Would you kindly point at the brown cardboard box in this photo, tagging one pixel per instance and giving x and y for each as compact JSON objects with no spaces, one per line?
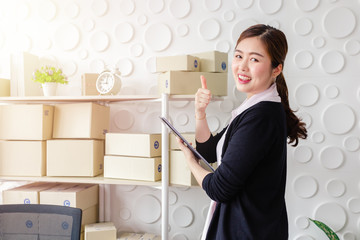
{"x":23,"y":158}
{"x":79,"y":195}
{"x":133,"y":144}
{"x":103,"y":231}
{"x":187,"y":83}
{"x":213,"y":61}
{"x":81,"y":120}
{"x":133,"y":168}
{"x":88,"y":84}
{"x":26,"y":122}
{"x":180,"y":173}
{"x":26,"y":194}
{"x":173,"y":144}
{"x":4,"y":87}
{"x":177,"y":63}
{"x":71,"y":157}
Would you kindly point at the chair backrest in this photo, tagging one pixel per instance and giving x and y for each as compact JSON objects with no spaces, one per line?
{"x":39,"y":222}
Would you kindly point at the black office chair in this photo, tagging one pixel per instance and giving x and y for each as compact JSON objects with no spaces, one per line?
{"x":39,"y":222}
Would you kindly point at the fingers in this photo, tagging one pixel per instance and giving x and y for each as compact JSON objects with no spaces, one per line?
{"x":203,"y":82}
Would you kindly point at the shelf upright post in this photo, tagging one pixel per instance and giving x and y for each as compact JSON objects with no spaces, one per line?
{"x":165,"y":169}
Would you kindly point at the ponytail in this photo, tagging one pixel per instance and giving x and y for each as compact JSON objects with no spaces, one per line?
{"x":295,"y":127}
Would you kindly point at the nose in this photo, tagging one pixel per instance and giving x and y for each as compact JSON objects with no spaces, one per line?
{"x":243,"y":66}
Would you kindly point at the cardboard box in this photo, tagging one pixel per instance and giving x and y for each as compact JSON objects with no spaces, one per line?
{"x":26,"y":122}
{"x":4,"y":87}
{"x":177,"y":63}
{"x":89,"y":216}
{"x":213,"y":61}
{"x":133,"y":144}
{"x":187,"y":83}
{"x":103,"y":231}
{"x":132,"y":168}
{"x":79,"y":195}
{"x":138,"y":236}
{"x":26,"y":194}
{"x":23,"y":158}
{"x":173,"y":144}
{"x":71,"y":157}
{"x":88,"y":84}
{"x":81,"y":120}
{"x":180,"y":173}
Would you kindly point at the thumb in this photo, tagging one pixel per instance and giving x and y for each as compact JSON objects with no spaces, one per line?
{"x":203,"y":82}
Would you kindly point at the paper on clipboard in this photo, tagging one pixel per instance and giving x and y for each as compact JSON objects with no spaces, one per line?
{"x":186,"y":143}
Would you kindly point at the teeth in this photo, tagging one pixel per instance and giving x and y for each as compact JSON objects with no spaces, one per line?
{"x":244,"y":78}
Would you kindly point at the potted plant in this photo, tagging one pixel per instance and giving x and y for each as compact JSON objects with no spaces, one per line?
{"x":327,"y":230}
{"x":49,"y":77}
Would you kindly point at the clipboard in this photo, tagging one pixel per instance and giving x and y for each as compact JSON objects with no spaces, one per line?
{"x":186,"y":143}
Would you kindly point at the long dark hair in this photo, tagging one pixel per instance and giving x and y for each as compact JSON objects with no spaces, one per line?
{"x":275,"y":42}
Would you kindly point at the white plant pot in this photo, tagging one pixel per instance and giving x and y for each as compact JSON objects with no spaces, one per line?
{"x":49,"y":89}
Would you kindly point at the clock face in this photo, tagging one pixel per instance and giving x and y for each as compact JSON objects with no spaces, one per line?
{"x":105,"y":82}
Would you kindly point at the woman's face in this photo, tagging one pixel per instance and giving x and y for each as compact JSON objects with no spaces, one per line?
{"x":251,"y":67}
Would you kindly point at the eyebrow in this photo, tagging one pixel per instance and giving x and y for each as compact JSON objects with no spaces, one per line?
{"x":250,"y":53}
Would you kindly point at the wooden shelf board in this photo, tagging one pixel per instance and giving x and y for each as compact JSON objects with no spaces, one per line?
{"x":96,"y":180}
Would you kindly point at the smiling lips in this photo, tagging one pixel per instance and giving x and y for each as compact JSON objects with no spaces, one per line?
{"x":243,"y":79}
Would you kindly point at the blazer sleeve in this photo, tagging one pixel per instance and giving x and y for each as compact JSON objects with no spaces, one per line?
{"x":208,"y":149}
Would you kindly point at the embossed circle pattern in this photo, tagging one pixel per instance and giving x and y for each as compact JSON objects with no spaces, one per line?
{"x":303,"y":154}
{"x":338,"y":113}
{"x":303,"y":26}
{"x":332,"y":62}
{"x":124,"y":32}
{"x":352,"y":47}
{"x":270,"y":7}
{"x":305,"y":186}
{"x":99,"y":41}
{"x":331,"y":157}
{"x":339,"y":22}
{"x":307,"y":5}
{"x":99,"y":7}
{"x":183,"y":216}
{"x":244,"y":4}
{"x":212,"y":5}
{"x":148,"y":209}
{"x":302,"y":222}
{"x":354,"y":205}
{"x":123,"y":119}
{"x":156,"y":6}
{"x":158,"y":37}
{"x":303,"y":59}
{"x":62,"y":38}
{"x":333,"y":214}
{"x":209,"y":29}
{"x":352,"y":143}
{"x":47,"y":10}
{"x":331,"y":92}
{"x":127,"y":7}
{"x":306,"y":94}
{"x":179,"y":8}
{"x":335,"y":188}
{"x":317,"y":137}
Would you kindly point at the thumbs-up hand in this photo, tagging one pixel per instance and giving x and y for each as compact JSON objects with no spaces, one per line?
{"x":202,"y":99}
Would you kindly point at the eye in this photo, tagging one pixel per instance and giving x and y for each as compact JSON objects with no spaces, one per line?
{"x":238,"y":56}
{"x":254,"y":60}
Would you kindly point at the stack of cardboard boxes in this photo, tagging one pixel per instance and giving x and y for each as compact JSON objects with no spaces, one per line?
{"x":133,"y":156}
{"x":180,"y":75}
{"x":77,"y":147}
{"x":84,"y":196}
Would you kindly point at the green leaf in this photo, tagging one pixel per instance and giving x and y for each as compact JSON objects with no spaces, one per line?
{"x":327,"y":230}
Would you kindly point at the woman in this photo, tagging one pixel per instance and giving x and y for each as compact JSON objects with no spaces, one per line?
{"x":248,"y":187}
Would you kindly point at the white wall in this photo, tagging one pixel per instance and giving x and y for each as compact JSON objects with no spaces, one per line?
{"x":322,"y":71}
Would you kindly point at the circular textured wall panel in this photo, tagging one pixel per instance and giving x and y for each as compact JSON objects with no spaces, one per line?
{"x":183,"y":216}
{"x":339,"y":22}
{"x":99,"y":41}
{"x":229,"y":16}
{"x":303,"y":59}
{"x":212,"y":5}
{"x":156,"y":6}
{"x":148,"y":209}
{"x":62,"y":38}
{"x":240,"y":26}
{"x":303,"y":154}
{"x":336,"y":188}
{"x":317,"y":137}
{"x":179,"y":8}
{"x":124,"y":32}
{"x":99,"y":7}
{"x":124,"y":119}
{"x":318,"y":42}
{"x":338,"y":113}
{"x":332,"y":214}
{"x":209,"y":29}
{"x":352,"y":143}
{"x":47,"y":10}
{"x":331,"y":92}
{"x":352,"y":47}
{"x":303,"y":26}
{"x":270,"y":7}
{"x":182,"y":30}
{"x":354,"y":205}
{"x":244,"y":4}
{"x":158,"y":37}
{"x":127,"y":7}
{"x":331,"y":157}
{"x":307,"y":5}
{"x":305,"y":186}
{"x":125,"y":66}
{"x":307,"y":94}
{"x":72,"y":10}
{"x":332,"y":62}
{"x":302,"y":222}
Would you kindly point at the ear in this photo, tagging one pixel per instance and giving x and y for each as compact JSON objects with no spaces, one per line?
{"x":276,"y":71}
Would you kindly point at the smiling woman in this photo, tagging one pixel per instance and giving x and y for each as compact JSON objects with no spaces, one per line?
{"x":248,"y":187}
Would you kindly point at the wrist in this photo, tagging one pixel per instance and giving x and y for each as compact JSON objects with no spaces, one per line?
{"x":200,"y":116}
